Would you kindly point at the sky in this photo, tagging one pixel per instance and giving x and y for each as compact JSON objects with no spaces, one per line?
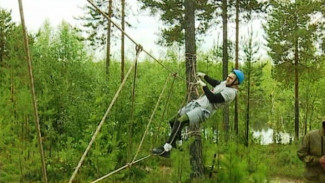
{"x":145,"y":30}
{"x":37,"y":11}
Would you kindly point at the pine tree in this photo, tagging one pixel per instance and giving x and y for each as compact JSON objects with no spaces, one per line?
{"x":22,"y":163}
{"x":290,"y":39}
{"x":179,"y":17}
{"x":6,"y":27}
{"x":244,"y":12}
{"x":98,"y":29}
{"x":172,"y":14}
{"x":253,"y":82}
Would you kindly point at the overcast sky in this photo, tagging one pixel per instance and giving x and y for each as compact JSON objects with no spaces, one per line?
{"x":145,"y":28}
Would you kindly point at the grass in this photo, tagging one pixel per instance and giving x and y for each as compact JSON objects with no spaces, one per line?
{"x":284,"y":162}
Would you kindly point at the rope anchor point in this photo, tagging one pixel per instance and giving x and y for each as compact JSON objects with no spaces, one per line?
{"x":138,"y":48}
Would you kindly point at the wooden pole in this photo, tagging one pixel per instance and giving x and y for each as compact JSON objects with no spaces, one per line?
{"x":30,"y":72}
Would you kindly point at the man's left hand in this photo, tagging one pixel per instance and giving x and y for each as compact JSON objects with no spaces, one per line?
{"x":200,"y":82}
{"x":200,"y":75}
{"x":322,"y":162}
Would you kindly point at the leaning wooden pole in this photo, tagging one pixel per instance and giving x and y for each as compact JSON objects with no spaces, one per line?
{"x":104,"y":117}
{"x":30,"y":72}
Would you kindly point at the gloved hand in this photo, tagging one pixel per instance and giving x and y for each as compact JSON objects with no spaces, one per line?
{"x":322,"y":162}
{"x":200,"y":82}
{"x":200,"y":74}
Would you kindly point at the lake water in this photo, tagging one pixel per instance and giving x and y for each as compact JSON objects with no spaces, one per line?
{"x":267,"y":137}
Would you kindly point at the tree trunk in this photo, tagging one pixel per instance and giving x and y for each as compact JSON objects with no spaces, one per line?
{"x":190,"y":46}
{"x":225,"y":61}
{"x":307,"y":107}
{"x":108,"y":41}
{"x":2,"y":48}
{"x":190,"y":56}
{"x":296,"y":92}
{"x":122,"y":39}
{"x":248,"y":103}
{"x":312,"y":107}
{"x":236,"y":64}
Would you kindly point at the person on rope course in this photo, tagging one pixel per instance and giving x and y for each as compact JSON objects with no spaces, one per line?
{"x":199,"y":110}
{"x":312,"y":154}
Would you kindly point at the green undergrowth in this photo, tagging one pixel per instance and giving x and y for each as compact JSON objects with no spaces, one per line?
{"x":234,"y":162}
{"x":283,"y":161}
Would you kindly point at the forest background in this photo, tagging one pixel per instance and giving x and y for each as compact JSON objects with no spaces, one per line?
{"x":283,"y":93}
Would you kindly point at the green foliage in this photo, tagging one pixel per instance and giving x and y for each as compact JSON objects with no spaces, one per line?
{"x":172,"y":14}
{"x":7,"y":27}
{"x":73,"y":94}
{"x":284,"y":159}
{"x":289,"y":30}
{"x":180,"y":162}
{"x":293,"y":40}
{"x":236,"y":163}
{"x":95,"y":25}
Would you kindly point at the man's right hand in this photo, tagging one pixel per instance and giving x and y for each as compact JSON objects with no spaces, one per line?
{"x":200,"y":74}
{"x":322,"y":162}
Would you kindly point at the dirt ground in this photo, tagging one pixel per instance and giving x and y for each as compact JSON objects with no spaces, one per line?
{"x":285,"y":180}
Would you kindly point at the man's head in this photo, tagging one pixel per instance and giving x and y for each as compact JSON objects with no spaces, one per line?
{"x":323,"y":122}
{"x":236,"y":77}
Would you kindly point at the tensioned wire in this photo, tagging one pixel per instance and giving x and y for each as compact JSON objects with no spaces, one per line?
{"x":131,"y":39}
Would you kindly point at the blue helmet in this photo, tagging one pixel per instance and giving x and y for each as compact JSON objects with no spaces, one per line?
{"x":240,"y":75}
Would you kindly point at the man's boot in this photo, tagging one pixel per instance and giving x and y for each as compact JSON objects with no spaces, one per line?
{"x":171,"y":124}
{"x":164,"y":151}
{"x":160,"y":151}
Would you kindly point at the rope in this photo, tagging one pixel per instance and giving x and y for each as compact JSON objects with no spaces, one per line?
{"x":123,"y":167}
{"x":151,"y":117}
{"x":134,"y":80}
{"x":197,"y":133}
{"x":139,"y":48}
{"x":169,"y":95}
{"x":123,"y":32}
{"x":31,"y":78}
{"x":184,"y":101}
{"x":142,"y":140}
{"x":130,"y":126}
{"x":104,"y":117}
{"x":166,"y":104}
